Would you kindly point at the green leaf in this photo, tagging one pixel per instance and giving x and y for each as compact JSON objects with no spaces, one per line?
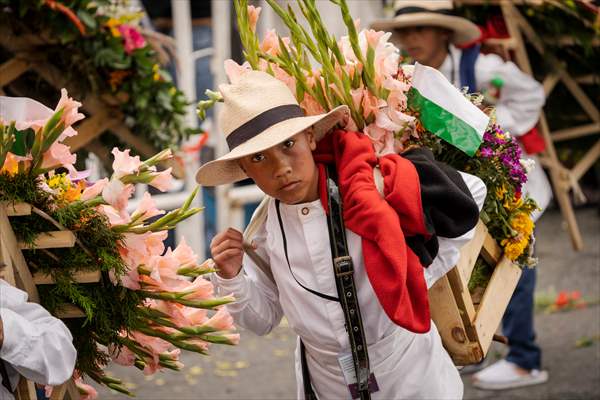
{"x":87,"y":18}
{"x":23,"y":142}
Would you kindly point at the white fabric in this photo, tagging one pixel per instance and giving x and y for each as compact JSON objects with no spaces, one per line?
{"x":406,"y":365}
{"x":432,"y":85}
{"x":36,"y":345}
{"x":517,"y":111}
{"x":449,"y":248}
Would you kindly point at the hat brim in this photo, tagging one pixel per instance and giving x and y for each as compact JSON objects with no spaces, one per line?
{"x":464,"y":31}
{"x":226,"y":169}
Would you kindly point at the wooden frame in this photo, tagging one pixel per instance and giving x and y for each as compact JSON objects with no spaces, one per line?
{"x":104,"y":111}
{"x":14,"y":270}
{"x":467,"y":324}
{"x":564,"y":180}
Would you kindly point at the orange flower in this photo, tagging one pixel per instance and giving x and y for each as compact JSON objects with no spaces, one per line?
{"x":117,"y":77}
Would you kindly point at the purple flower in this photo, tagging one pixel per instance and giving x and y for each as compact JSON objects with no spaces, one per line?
{"x":486,"y":152}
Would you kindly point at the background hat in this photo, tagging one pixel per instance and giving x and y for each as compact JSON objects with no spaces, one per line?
{"x":439,"y":13}
{"x":260,"y":112}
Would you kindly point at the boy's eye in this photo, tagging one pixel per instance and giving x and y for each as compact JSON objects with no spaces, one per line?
{"x":258,"y":157}
{"x":289,"y":143}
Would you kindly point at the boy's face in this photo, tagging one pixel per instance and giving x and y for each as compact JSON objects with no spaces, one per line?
{"x":286,"y":171}
{"x":425,"y":44}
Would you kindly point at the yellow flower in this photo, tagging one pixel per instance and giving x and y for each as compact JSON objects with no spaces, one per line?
{"x":514,"y":247}
{"x":173,"y":91}
{"x":156,"y":70}
{"x":113,"y":25}
{"x":11,"y":165}
{"x":500,"y":192}
{"x":522,"y":223}
{"x":73,"y":193}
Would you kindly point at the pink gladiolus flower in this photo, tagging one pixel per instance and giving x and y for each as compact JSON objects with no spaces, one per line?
{"x":201,"y":289}
{"x":132,"y":38}
{"x":114,"y":216}
{"x":383,"y":140}
{"x":253,"y":14}
{"x":123,"y":356}
{"x":270,"y":43}
{"x":370,"y":104}
{"x":146,"y":209}
{"x":131,"y":280}
{"x":124,"y":164}
{"x":221,"y":321}
{"x":311,"y":106}
{"x":58,"y":155}
{"x":373,"y":37}
{"x":94,"y":190}
{"x":184,"y":254}
{"x":195,"y":316}
{"x":155,"y":242}
{"x":162,"y":180}
{"x":116,"y":193}
{"x":233,"y":338}
{"x":70,"y":114}
{"x":86,"y":391}
{"x":135,"y":250}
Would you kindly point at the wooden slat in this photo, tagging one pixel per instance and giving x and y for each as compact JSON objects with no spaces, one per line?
{"x":11,"y":70}
{"x":495,"y":299}
{"x":25,"y":390}
{"x":16,"y":209}
{"x":470,"y":251}
{"x":447,"y":319}
{"x":40,"y":278}
{"x":575,"y":132}
{"x":51,"y":240}
{"x":587,"y":161}
{"x":90,"y":129}
{"x":463,"y":299}
{"x":69,"y":311}
{"x":11,"y":246}
{"x":491,"y":252}
{"x":550,"y":82}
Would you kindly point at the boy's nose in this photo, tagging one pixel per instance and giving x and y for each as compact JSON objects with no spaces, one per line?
{"x":282,"y":167}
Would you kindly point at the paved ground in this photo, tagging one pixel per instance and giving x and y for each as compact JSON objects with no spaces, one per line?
{"x":262,"y":367}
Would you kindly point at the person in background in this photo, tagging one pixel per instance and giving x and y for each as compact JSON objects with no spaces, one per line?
{"x":33,"y":343}
{"x":430,"y":33}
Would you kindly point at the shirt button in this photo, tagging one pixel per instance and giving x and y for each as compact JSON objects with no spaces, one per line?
{"x":305,"y":210}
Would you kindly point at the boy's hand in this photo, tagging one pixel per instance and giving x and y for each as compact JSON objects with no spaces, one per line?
{"x":227,"y":252}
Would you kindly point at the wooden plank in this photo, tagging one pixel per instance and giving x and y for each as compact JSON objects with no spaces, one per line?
{"x":7,"y":271}
{"x":40,"y":278}
{"x":446,"y":316}
{"x":59,"y":392}
{"x":51,"y":240}
{"x":550,"y":82}
{"x":463,"y":300}
{"x":90,"y":129}
{"x":10,"y":245}
{"x":582,"y":98}
{"x":470,"y":251}
{"x":16,"y":209}
{"x":69,"y":311}
{"x":575,"y":132}
{"x":491,"y":251}
{"x":495,"y":300}
{"x":588,"y":160}
{"x":25,"y":390}
{"x":12,"y":69}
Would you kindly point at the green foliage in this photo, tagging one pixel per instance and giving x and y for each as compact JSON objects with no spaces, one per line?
{"x":97,"y":61}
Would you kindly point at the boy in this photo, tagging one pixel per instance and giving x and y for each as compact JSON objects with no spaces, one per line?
{"x":428,"y":31}
{"x":273,"y":143}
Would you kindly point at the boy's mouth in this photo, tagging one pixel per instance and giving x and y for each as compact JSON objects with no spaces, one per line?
{"x":289,"y":186}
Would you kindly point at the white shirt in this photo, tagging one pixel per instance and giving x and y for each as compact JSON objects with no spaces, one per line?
{"x":517,"y":110}
{"x":36,"y":345}
{"x":419,"y":367}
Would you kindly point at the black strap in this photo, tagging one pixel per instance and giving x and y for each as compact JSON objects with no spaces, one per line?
{"x":5,"y":380}
{"x":309,"y":393}
{"x":344,"y":276}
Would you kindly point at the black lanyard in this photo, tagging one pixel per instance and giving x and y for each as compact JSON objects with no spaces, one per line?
{"x":5,"y":379}
{"x":346,"y":288}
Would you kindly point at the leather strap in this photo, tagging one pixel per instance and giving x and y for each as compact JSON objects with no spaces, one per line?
{"x":344,"y":276}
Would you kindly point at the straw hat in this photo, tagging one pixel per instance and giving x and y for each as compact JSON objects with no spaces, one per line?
{"x":439,"y":13}
{"x":260,"y":112}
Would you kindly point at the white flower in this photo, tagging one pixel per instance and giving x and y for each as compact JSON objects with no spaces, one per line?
{"x":527,"y":164}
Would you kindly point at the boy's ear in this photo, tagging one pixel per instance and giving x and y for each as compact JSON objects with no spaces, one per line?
{"x":310,"y":136}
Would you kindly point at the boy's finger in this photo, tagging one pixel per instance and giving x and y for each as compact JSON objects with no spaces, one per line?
{"x":234,"y":234}
{"x":226,"y":244}
{"x":227,"y":255}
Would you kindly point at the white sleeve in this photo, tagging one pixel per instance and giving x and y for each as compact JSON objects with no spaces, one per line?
{"x":521,"y":96}
{"x":36,"y":344}
{"x":257,"y":306}
{"x":449,"y":248}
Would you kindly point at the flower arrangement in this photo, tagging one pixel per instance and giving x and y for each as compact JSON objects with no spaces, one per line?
{"x":149,"y":303}
{"x":102,"y":49}
{"x":361,"y":70}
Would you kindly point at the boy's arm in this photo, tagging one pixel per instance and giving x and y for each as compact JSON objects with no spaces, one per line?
{"x":257,"y":306}
{"x":35,"y":343}
{"x":521,"y":96}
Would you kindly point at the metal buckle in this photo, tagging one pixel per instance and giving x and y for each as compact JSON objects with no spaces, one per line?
{"x":343,"y":266}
